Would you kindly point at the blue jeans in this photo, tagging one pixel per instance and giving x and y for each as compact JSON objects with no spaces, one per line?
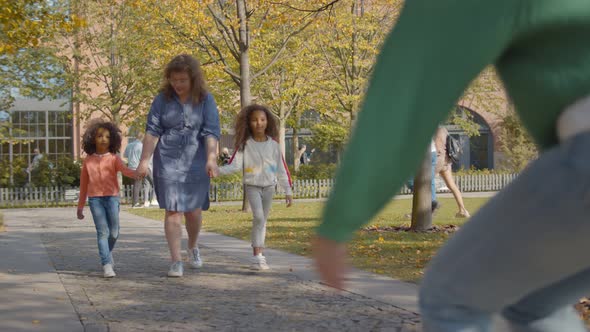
{"x":410,"y":182}
{"x":523,"y":255}
{"x":105,"y":212}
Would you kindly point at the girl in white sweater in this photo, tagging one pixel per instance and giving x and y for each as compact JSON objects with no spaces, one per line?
{"x":259,"y":158}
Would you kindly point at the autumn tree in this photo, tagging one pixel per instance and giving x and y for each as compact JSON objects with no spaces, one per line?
{"x":109,"y":63}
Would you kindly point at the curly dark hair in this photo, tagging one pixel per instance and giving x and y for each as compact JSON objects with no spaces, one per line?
{"x":88,"y":139}
{"x":190,"y":65}
{"x":242,"y":125}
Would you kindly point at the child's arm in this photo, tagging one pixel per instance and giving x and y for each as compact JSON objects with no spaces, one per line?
{"x":120,"y":167}
{"x":284,"y":177}
{"x":235,"y":165}
{"x":83,"y":190}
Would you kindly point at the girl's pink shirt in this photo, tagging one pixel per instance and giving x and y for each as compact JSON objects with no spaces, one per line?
{"x":99,"y":176}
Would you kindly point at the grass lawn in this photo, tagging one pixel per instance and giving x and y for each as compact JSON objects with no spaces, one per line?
{"x":1,"y":222}
{"x":401,"y":255}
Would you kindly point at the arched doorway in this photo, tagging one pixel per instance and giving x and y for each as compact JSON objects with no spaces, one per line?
{"x":478,"y":151}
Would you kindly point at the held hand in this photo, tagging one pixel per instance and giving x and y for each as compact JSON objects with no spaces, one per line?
{"x":142,"y":169}
{"x":289,"y":200}
{"x":330,"y":260}
{"x":212,"y":169}
{"x":80,"y":214}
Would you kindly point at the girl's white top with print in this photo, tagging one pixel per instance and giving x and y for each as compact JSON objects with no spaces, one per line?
{"x":262,"y":163}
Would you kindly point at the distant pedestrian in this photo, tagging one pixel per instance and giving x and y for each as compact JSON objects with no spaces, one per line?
{"x":445,"y":170}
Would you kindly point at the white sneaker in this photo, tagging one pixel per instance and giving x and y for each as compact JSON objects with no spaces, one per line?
{"x":108,"y":271}
{"x":194,"y":258}
{"x":176,"y":269}
{"x":146,"y":204}
{"x":259,"y":263}
{"x":154,"y":202}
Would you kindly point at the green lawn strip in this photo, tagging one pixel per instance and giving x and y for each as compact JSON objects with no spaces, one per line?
{"x":1,"y":222}
{"x":401,"y":255}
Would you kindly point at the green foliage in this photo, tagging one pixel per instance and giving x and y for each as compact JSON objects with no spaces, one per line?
{"x":230,"y":178}
{"x":67,"y":172}
{"x":64,"y":172}
{"x":20,"y":177}
{"x":329,"y":134}
{"x":320,"y":172}
{"x":42,"y":175}
{"x":517,"y":145}
{"x":464,"y":120}
{"x":28,"y":23}
{"x":485,"y":171}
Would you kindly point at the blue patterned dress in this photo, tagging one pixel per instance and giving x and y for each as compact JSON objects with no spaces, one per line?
{"x":180,"y":178}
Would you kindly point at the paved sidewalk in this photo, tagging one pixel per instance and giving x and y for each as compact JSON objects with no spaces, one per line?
{"x":51,"y":281}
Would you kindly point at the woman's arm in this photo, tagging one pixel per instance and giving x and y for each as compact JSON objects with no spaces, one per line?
{"x":211,"y":131}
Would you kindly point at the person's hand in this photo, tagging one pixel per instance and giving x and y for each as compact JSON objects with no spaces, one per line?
{"x":142,"y":169}
{"x":80,"y":214}
{"x":330,"y":260}
{"x":212,"y":168}
{"x":289,"y":200}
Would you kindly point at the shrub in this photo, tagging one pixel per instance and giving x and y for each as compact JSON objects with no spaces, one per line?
{"x":67,"y":172}
{"x":320,"y":171}
{"x":485,"y":171}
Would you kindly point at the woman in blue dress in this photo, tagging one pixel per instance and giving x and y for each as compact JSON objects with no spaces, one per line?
{"x":182,"y":132}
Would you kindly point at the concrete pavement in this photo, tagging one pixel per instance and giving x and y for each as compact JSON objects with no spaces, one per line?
{"x":51,"y":281}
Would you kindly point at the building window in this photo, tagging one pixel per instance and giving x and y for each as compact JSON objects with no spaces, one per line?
{"x":50,"y":131}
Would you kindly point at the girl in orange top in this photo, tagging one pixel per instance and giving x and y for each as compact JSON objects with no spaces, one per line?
{"x":98,"y":182}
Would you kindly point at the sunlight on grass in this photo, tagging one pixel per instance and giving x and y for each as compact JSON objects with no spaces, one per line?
{"x":401,"y":255}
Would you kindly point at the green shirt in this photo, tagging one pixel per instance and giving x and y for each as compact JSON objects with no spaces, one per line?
{"x":541,"y":49}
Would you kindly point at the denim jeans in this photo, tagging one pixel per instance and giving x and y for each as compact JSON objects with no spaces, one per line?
{"x":260,"y":199}
{"x":410,"y":182}
{"x":523,"y":255}
{"x":105,"y":212}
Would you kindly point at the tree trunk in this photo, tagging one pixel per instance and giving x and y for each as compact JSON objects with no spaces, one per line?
{"x":422,"y":201}
{"x":282,"y":127}
{"x":245,"y":95}
{"x":295,"y":145}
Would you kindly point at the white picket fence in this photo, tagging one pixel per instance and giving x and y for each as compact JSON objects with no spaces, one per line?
{"x":54,"y":196}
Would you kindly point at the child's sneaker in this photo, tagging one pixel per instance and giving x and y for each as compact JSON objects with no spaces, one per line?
{"x":194,"y":258}
{"x":259,"y":263}
{"x":108,"y":271}
{"x":146,"y":204}
{"x":154,"y":202}
{"x":176,"y":269}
